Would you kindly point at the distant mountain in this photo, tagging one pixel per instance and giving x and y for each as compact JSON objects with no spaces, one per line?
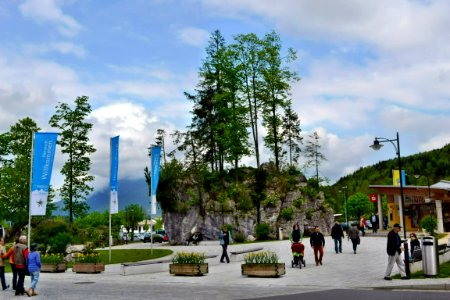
{"x":130,"y":192}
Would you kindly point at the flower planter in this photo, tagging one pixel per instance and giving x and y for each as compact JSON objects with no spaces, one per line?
{"x":263,"y":270}
{"x":188,"y":269}
{"x":53,"y":268}
{"x":88,"y":267}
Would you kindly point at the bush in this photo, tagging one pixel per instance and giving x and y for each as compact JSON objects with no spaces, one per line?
{"x":239,"y":237}
{"x":287,"y":213}
{"x":58,"y":244}
{"x":429,"y":223}
{"x":262,"y":231}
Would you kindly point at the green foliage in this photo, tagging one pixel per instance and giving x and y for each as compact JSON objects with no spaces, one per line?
{"x":47,"y":232}
{"x":287,"y":213}
{"x":133,"y":214}
{"x":429,"y":223}
{"x":189,"y":258}
{"x":299,"y":202}
{"x":359,"y":204}
{"x":309,"y":213}
{"x":239,"y":237}
{"x":74,"y":142}
{"x":272,"y":199}
{"x":52,"y":258}
{"x":262,"y":231}
{"x":58,"y":243}
{"x":15,"y":164}
{"x":264,"y":257}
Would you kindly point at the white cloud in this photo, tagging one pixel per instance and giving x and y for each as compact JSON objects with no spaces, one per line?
{"x":43,"y":11}
{"x":193,"y":36}
{"x":60,"y":47}
{"x":389,"y":25}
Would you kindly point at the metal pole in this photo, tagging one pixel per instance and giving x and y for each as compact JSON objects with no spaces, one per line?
{"x":405,"y":244}
{"x":29,"y":201}
{"x":109,"y":235}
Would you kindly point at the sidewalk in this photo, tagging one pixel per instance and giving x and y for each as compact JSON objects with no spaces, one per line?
{"x":339,"y":271}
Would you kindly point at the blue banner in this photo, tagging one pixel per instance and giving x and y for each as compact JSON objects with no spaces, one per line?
{"x":44,"y":146}
{"x":156,"y":158}
{"x":113,"y":180}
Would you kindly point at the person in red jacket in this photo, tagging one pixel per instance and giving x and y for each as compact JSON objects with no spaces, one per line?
{"x":20,"y":258}
{"x":10,"y":254}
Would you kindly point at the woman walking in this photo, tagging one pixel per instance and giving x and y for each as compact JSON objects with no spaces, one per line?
{"x":34,"y":266}
{"x":225,"y":239}
{"x":353,"y":235}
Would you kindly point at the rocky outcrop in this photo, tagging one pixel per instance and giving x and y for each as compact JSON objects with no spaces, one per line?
{"x":307,"y":211}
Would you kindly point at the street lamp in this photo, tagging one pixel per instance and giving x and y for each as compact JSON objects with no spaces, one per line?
{"x":344,"y":190}
{"x":377,"y":144}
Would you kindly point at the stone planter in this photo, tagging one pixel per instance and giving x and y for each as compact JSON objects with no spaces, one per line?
{"x":263,"y":270}
{"x":188,"y":269}
{"x":88,"y":267}
{"x":53,"y":268}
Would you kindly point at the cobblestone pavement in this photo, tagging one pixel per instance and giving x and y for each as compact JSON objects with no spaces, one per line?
{"x":364,"y":270}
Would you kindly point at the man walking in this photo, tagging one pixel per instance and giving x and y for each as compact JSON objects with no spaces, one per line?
{"x":337,"y":234}
{"x":317,"y":243}
{"x":394,"y":249}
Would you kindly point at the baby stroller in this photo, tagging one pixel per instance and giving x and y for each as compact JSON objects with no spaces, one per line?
{"x":298,"y":253}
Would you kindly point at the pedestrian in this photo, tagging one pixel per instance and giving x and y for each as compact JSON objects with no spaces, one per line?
{"x":374,"y":220}
{"x":414,"y":245}
{"x":337,"y":234}
{"x":317,"y":241}
{"x":103,"y":239}
{"x":353,"y":235}
{"x":362,"y":225}
{"x":2,"y":264}
{"x":10,"y":254}
{"x":20,"y":258}
{"x":296,"y":234}
{"x":225,"y":239}
{"x":34,"y":266}
{"x":394,"y":249}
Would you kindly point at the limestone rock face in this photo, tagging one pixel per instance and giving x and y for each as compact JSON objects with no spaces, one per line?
{"x":308,"y":213}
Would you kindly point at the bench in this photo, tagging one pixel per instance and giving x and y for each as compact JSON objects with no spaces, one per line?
{"x":442,"y":248}
{"x":153,"y":266}
{"x":238,"y":255}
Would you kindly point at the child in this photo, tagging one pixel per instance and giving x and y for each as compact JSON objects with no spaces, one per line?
{"x":34,"y":266}
{"x":298,"y":251}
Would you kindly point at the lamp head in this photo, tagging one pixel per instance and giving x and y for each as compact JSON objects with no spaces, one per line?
{"x":376,"y":145}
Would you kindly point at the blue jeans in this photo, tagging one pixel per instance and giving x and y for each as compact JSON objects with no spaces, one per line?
{"x":34,"y":279}
{"x":338,"y":245}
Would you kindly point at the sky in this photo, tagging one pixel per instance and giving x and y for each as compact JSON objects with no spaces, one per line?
{"x":368,"y":69}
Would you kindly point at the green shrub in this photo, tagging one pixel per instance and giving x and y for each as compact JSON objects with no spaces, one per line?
{"x":265,"y":257}
{"x":239,"y":237}
{"x":189,"y":258}
{"x":262,"y":231}
{"x":58,"y":244}
{"x":287,"y":213}
{"x":299,"y":202}
{"x":429,"y":223}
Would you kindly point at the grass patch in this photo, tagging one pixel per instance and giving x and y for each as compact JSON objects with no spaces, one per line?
{"x":444,"y":272}
{"x":122,"y":256}
{"x":132,"y":255}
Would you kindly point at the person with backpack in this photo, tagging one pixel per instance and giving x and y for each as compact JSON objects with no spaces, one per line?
{"x":20,"y":258}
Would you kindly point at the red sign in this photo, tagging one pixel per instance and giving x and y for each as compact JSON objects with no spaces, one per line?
{"x":373,"y":198}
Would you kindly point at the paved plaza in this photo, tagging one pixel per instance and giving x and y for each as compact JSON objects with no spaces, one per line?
{"x":364,"y":270}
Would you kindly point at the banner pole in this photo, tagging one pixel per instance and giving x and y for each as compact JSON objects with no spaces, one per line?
{"x":110,"y":169}
{"x":29,"y":200}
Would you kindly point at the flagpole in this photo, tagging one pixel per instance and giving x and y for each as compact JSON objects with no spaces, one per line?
{"x":110,"y":169}
{"x":31,"y":181}
{"x":151,"y":202}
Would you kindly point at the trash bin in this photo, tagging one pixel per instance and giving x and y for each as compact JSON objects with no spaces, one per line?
{"x":430,"y":258}
{"x":280,"y":233}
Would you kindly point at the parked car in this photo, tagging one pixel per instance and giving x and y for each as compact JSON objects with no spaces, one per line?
{"x":147,"y":237}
